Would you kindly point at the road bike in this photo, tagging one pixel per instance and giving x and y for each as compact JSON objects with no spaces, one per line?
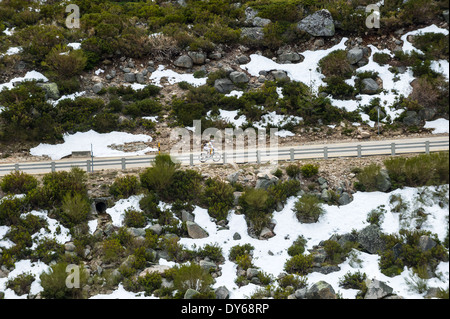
{"x":212,"y":154}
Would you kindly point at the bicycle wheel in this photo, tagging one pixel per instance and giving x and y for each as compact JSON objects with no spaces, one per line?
{"x":216,"y":157}
{"x":203,"y":157}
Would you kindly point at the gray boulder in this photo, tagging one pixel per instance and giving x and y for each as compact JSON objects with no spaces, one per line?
{"x":197,"y":57}
{"x":383,"y":181}
{"x":184,"y":61}
{"x":321,"y":290}
{"x":370,"y":239}
{"x":242,"y":59}
{"x":377,"y":290}
{"x":254,"y":33}
{"x":190,"y":293}
{"x":279,"y":75}
{"x":51,"y":90}
{"x":369,"y":86}
{"x":97,"y":88}
{"x":260,"y":22}
{"x":355,"y":55}
{"x":426,"y":243}
{"x":195,"y":231}
{"x":289,"y":57}
{"x":224,"y":85}
{"x":222,"y":293}
{"x":130,"y":77}
{"x":233,"y":177}
{"x":411,"y":119}
{"x":140,"y":78}
{"x":318,"y":24}
{"x":265,"y":180}
{"x":344,"y":199}
{"x":238,"y":77}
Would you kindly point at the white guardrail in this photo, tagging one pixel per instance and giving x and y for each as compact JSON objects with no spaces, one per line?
{"x":239,"y":157}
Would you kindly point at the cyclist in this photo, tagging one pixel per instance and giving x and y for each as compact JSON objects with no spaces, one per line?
{"x":208,"y":147}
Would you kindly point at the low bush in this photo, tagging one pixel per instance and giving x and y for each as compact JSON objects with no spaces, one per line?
{"x":309,"y":170}
{"x":218,"y":197}
{"x":54,"y":284}
{"x":192,"y":276}
{"x":297,"y":247}
{"x":159,"y":177}
{"x":293,"y":170}
{"x":370,"y":178}
{"x":336,"y":64}
{"x":124,"y":187}
{"x":308,"y":209}
{"x":75,"y":209}
{"x":18,"y":182}
{"x":66,"y":63}
{"x":299,"y":264}
{"x":134,"y":218}
{"x":21,"y":284}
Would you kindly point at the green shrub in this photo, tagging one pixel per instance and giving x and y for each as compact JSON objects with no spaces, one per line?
{"x":293,"y":170}
{"x":185,"y":186}
{"x":10,"y":211}
{"x":333,"y":250}
{"x":308,"y":209}
{"x":134,"y":218}
{"x":297,"y":247}
{"x":112,"y":250}
{"x":299,"y":264}
{"x":240,"y":250}
{"x":338,"y":88}
{"x":218,"y":197}
{"x":66,"y":63}
{"x":353,"y":281}
{"x":54,"y":283}
{"x":21,"y":284}
{"x":433,"y":45}
{"x":159,"y":177}
{"x":421,"y":170}
{"x":376,"y":216}
{"x":381,"y":58}
{"x":192,"y":276}
{"x":150,"y":282}
{"x":149,"y":204}
{"x":18,"y":183}
{"x":254,"y":204}
{"x":75,"y":209}
{"x":370,"y":178}
{"x":336,"y":64}
{"x":309,"y":170}
{"x":213,"y":252}
{"x":124,"y":187}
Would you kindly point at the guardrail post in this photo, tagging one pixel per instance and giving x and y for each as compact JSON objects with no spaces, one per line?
{"x":53,"y":167}
{"x":427,"y":147}
{"x":359,"y":149}
{"x":191,"y":159}
{"x":88,"y":166}
{"x":393,"y":149}
{"x":292,"y":155}
{"x":124,"y":164}
{"x":16,"y":166}
{"x":224,"y":155}
{"x":325,"y":152}
{"x":258,"y":156}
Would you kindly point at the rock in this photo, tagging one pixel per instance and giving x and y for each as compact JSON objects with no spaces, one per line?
{"x":279,"y":75}
{"x":252,"y":272}
{"x":426,"y":243}
{"x":197,"y":57}
{"x":237,"y":195}
{"x":207,"y":265}
{"x":236,"y":236}
{"x":224,"y":85}
{"x":344,"y":199}
{"x":195,"y":231}
{"x":445,"y":15}
{"x":97,"y":88}
{"x":126,"y":70}
{"x":289,"y":57}
{"x":370,"y":239}
{"x":318,"y":24}
{"x":355,"y":55}
{"x":369,"y":86}
{"x":377,"y":290}
{"x":255,"y":33}
{"x":265,"y":180}
{"x":233,"y":177}
{"x":301,"y":293}
{"x":222,"y":293}
{"x":321,"y":290}
{"x":383,"y":181}
{"x":136,"y":232}
{"x":184,"y":61}
{"x":261,"y":22}
{"x":140,"y":78}
{"x":325,"y":196}
{"x":411,"y":119}
{"x":427,"y":114}
{"x":157,"y":229}
{"x":130,"y":77}
{"x":242,"y":59}
{"x":51,"y":90}
{"x":190,"y":293}
{"x":238,"y":77}
{"x":186,"y":216}
{"x":321,"y":180}
{"x":160,"y":269}
{"x":266,"y":233}
{"x":69,"y":247}
{"x":215,"y":56}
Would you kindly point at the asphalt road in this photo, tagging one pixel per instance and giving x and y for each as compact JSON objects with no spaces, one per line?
{"x":348,"y":149}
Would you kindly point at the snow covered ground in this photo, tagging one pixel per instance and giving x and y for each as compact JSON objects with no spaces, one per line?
{"x":271,"y":255}
{"x":100,"y":144}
